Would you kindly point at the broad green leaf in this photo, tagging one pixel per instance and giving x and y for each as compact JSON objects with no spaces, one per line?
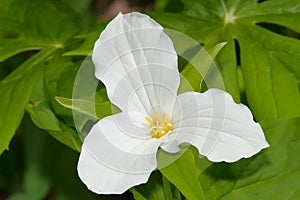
{"x":15,"y":91}
{"x":275,"y":169}
{"x":67,"y":136}
{"x":42,"y":114}
{"x":30,"y":26}
{"x":89,"y":40}
{"x":269,"y":60}
{"x":59,"y":79}
{"x":171,"y":192}
{"x":95,"y":110}
{"x":61,"y":82}
{"x":157,"y":188}
{"x":183,"y":174}
{"x":64,"y":87}
{"x":182,"y":23}
{"x":152,"y":190}
{"x":200,"y":65}
{"x":86,"y":112}
{"x":39,"y":108}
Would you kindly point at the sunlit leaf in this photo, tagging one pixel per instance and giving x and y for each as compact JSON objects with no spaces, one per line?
{"x":269,"y":60}
{"x":86,"y":107}
{"x":15,"y":91}
{"x":30,"y":26}
{"x":183,"y":174}
{"x":198,"y":67}
{"x":157,"y":188}
{"x":40,"y":110}
{"x":275,"y":169}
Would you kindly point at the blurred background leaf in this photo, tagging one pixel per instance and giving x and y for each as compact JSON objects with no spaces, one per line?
{"x":49,"y":168}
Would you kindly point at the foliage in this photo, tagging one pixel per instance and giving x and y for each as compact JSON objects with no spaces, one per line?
{"x":259,"y":67}
{"x":268,"y":59}
{"x":48,"y":170}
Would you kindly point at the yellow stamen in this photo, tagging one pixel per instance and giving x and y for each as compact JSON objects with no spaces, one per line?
{"x":150,"y":122}
{"x":157,"y":118}
{"x":165,"y":117}
{"x":160,"y":126}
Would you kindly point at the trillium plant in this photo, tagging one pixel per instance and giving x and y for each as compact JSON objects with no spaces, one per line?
{"x":137,"y":62}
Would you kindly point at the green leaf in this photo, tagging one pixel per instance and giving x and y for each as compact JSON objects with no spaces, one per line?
{"x":171,"y":192}
{"x":43,"y":116}
{"x":59,"y":79}
{"x":269,"y":60}
{"x":89,"y":40}
{"x":183,"y":174}
{"x":39,"y":108}
{"x":92,"y":109}
{"x":182,"y":23}
{"x":15,"y":91}
{"x":67,"y":136}
{"x":30,"y":26}
{"x":275,"y":169}
{"x":86,"y":112}
{"x":200,"y":65}
{"x":157,"y":188}
{"x":153,"y":190}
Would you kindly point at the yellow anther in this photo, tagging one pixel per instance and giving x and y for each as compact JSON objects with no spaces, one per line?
{"x":157,"y":118}
{"x":150,"y":122}
{"x":160,"y":126}
{"x":165,"y":117}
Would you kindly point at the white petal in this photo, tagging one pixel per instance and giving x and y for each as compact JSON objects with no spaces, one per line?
{"x":116,"y":155}
{"x":151,"y":90}
{"x":104,"y":180}
{"x":137,"y":62}
{"x":221,"y":129}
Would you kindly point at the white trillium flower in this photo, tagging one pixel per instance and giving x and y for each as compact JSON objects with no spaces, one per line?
{"x":137,"y":62}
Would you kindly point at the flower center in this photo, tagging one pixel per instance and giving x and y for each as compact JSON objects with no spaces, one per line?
{"x":159,"y":126}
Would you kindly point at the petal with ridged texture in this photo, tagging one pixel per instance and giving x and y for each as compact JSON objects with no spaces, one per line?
{"x":137,"y":62}
{"x":220,"y":129}
{"x":117,"y":155}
